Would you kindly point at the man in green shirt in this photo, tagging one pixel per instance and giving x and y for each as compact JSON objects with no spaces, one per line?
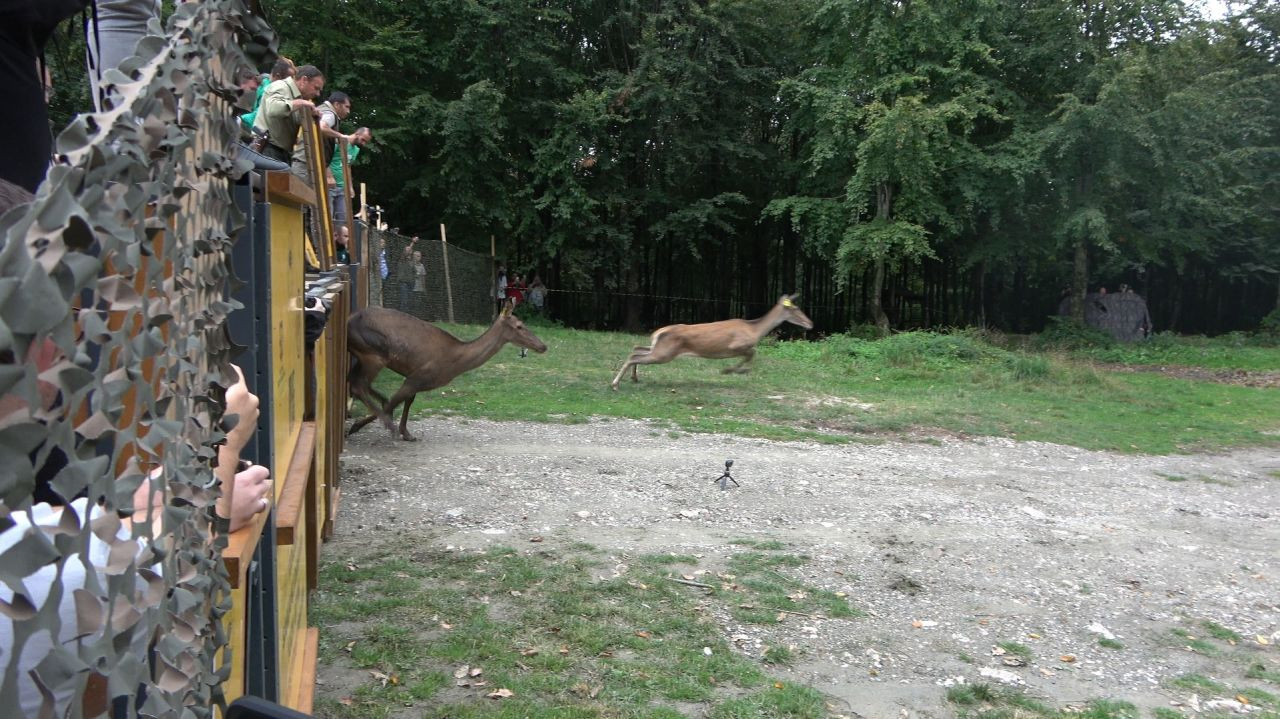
{"x":277,"y":115}
{"x":338,"y":189}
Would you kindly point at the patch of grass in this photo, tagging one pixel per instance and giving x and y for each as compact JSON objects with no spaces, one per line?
{"x":1021,"y":651}
{"x":980,"y":701}
{"x":1258,"y":670}
{"x":544,"y":626}
{"x":967,"y":659}
{"x":783,"y":699}
{"x":778,"y":654}
{"x":1217,"y":631}
{"x":909,"y":380}
{"x":1198,"y":683}
{"x":1172,"y":477}
{"x":1166,"y":713}
{"x":759,"y":593}
{"x":1110,"y":643}
{"x":970,"y":694}
{"x":1261,"y":698}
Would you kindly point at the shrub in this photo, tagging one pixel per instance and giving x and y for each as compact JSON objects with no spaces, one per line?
{"x":1069,"y":334}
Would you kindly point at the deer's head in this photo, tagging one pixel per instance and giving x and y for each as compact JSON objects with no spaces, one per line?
{"x":791,"y":312}
{"x":514,"y":331}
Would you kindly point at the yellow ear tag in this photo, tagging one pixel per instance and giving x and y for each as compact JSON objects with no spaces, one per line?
{"x":787,"y":303}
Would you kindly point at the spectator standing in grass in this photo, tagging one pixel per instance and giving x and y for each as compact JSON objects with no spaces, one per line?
{"x":500,"y":291}
{"x":419,"y":279}
{"x":537,"y":292}
{"x":515,"y":290}
{"x":405,"y":276}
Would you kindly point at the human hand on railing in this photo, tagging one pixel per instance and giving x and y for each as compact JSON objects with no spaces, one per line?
{"x":300,"y":103}
{"x":251,"y":496}
{"x":244,"y":404}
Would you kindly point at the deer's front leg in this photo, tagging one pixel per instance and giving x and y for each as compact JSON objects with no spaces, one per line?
{"x":742,"y":367}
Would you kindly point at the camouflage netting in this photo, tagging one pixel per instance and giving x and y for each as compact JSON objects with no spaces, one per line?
{"x":1123,"y":315}
{"x":139,"y":198}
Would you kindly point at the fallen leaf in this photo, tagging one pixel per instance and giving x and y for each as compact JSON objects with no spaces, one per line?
{"x":500,"y":694}
{"x":379,"y":676}
{"x":797,"y":596}
{"x":529,"y":653}
{"x":782,"y":617}
{"x":842,"y":595}
{"x":1242,"y":699}
{"x":348,"y":647}
{"x":643,"y":634}
{"x":1262,"y":640}
{"x":1013,"y":662}
{"x":777,"y":685}
{"x":997,"y":651}
{"x":516,"y":592}
{"x":346,"y":701}
{"x":461,"y":671}
{"x":564,"y":650}
{"x":446,"y":625}
{"x":535,"y":539}
{"x":475,"y":672}
{"x":1068,"y":658}
{"x":687,"y":577}
{"x":916,"y":624}
{"x":1033,"y":636}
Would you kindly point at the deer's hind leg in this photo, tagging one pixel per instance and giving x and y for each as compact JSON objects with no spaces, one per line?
{"x":405,"y":395}
{"x":360,"y":382}
{"x":637,"y":351}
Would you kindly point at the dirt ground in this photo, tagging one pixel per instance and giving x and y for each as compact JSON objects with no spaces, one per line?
{"x":951,"y":546}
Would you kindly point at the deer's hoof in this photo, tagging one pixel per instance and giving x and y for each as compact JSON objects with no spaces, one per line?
{"x":408,"y":438}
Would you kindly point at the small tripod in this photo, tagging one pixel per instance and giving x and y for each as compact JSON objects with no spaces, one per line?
{"x":726,"y":478}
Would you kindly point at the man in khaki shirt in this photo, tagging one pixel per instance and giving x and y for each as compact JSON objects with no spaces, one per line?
{"x":276,"y":116}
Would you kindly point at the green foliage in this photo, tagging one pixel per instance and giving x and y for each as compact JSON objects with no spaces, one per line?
{"x":1065,"y":333}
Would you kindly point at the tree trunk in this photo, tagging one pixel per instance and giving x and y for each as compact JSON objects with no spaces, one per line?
{"x":1079,"y":279}
{"x":884,"y":204}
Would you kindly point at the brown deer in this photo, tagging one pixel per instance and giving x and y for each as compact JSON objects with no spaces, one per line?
{"x":427,"y":357}
{"x":714,"y":340}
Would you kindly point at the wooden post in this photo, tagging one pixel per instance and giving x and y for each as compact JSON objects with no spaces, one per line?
{"x":448,"y":286}
{"x":493,"y":271}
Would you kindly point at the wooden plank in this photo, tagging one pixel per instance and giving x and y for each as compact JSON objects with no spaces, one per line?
{"x":241,"y":545}
{"x":306,"y":692}
{"x":331,"y":521}
{"x":284,"y":186}
{"x":294,"y":493}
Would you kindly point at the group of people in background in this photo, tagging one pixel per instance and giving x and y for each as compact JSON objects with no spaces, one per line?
{"x":515,"y":292}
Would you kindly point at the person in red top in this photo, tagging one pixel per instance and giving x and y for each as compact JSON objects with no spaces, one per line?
{"x":516,"y":290}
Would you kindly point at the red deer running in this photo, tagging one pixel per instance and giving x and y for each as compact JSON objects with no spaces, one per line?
{"x":427,"y":357}
{"x":714,"y":340}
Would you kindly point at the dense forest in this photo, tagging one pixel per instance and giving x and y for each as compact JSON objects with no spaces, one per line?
{"x":911,"y":163}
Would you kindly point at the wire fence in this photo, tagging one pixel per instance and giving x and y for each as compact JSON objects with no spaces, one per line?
{"x":431,"y":279}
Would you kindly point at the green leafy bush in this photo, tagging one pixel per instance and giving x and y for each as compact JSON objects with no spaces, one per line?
{"x":1065,"y":333}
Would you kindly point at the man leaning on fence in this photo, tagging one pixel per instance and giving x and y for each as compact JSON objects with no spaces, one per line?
{"x":277,"y":118}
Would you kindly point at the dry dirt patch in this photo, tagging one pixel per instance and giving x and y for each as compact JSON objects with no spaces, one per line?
{"x":952,"y":548}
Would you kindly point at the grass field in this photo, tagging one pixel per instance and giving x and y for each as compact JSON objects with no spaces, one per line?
{"x":913,"y":384}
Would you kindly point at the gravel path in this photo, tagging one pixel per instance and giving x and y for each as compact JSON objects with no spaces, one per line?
{"x":951,"y":546}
